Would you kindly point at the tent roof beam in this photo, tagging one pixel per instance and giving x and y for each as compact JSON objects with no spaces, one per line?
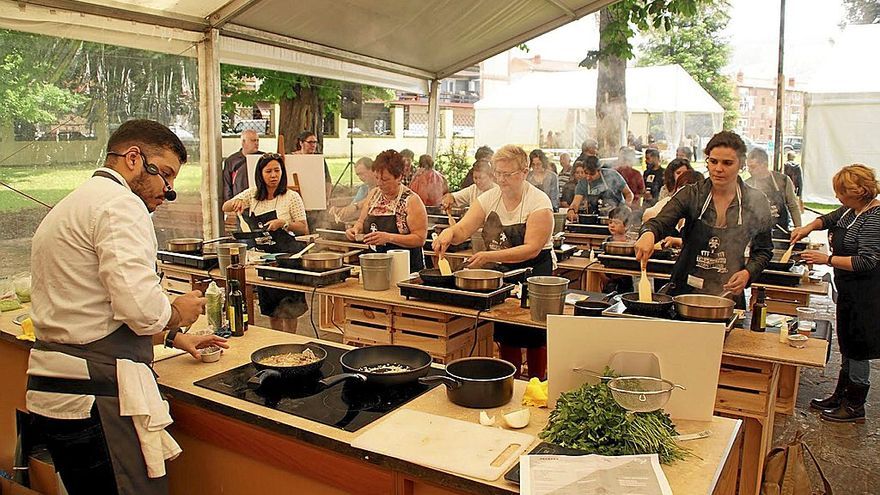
{"x":179,"y":21}
{"x":224,"y":14}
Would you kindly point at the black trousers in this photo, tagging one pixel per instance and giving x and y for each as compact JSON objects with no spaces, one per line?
{"x":79,"y":452}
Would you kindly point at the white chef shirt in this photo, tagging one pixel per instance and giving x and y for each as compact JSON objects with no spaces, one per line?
{"x":93,"y":266}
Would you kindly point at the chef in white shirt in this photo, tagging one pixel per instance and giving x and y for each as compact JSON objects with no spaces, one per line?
{"x":97,"y":308}
{"x":483,"y":181}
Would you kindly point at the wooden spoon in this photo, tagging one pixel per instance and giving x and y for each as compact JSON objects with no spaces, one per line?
{"x":645,"y":292}
{"x":787,"y":255}
{"x":443,"y":265}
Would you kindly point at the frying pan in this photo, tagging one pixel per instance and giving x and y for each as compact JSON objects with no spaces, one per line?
{"x":267,"y":371}
{"x":590,"y":308}
{"x":191,"y":244}
{"x":352,"y":361}
{"x":660,"y":304}
{"x":321,"y":262}
{"x":249,"y":236}
{"x":434,"y":278}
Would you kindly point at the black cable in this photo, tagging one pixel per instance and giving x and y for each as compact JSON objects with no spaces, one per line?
{"x":476,"y":329}
{"x":332,"y":312}
{"x":312,"y":312}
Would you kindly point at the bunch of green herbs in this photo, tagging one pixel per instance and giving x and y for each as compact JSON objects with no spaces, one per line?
{"x":589,"y":419}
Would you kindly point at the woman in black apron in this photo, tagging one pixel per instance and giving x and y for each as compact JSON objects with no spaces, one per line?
{"x":854,"y":236}
{"x":273,"y":208}
{"x":396,"y":217}
{"x":517,"y":222}
{"x":713,"y":259}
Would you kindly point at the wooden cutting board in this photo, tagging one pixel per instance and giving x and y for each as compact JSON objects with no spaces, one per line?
{"x":447,"y":444}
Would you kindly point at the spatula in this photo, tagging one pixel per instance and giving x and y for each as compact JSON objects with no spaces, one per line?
{"x":443,"y":265}
{"x":645,"y":287}
{"x":787,"y":255}
{"x":304,"y":251}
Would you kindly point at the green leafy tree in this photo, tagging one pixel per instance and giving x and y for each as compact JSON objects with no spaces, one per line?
{"x":618,"y":24}
{"x":304,"y":100}
{"x":862,"y":11}
{"x":696,"y":44}
{"x":32,"y":89}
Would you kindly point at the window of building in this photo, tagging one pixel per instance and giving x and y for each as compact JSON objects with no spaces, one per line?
{"x":375,"y":120}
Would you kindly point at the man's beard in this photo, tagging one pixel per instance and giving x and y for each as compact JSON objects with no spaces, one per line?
{"x":140,"y":185}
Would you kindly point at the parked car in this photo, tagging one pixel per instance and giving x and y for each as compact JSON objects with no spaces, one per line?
{"x":792,"y":143}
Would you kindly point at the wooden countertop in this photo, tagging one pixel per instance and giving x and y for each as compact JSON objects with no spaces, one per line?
{"x":176,"y":376}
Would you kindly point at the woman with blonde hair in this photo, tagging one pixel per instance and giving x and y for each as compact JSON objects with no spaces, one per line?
{"x":854,"y":237}
{"x":517,"y":222}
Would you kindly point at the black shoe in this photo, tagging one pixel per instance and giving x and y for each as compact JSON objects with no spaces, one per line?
{"x":833,"y":401}
{"x":852,"y":407}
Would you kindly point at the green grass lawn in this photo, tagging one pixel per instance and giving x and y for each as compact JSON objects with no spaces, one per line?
{"x":50,"y":185}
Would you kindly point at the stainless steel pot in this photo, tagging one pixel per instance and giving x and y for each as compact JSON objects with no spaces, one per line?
{"x":619,"y":248}
{"x":321,"y":262}
{"x":478,"y":280}
{"x":704,"y":307}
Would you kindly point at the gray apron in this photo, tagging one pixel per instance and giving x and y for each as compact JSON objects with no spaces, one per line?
{"x":123,"y":444}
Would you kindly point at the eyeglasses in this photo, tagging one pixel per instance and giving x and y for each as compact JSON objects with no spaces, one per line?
{"x":504,"y":175}
{"x":273,"y":156}
{"x":311,"y":142}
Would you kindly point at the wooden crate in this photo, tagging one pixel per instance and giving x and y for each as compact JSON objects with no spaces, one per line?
{"x":367,"y":323}
{"x":745,"y":387}
{"x":176,"y":282}
{"x":444,"y":349}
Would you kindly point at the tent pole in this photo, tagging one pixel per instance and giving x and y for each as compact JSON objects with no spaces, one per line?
{"x":211,"y":148}
{"x":433,"y":117}
{"x":780,"y":92}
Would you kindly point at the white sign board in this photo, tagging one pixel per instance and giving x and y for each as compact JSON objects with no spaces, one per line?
{"x":309,"y":169}
{"x":689,"y":354}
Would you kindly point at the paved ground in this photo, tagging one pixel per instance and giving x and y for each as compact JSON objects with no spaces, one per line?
{"x":849,"y":453}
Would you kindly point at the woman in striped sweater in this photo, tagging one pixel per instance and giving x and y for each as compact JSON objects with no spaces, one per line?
{"x":854,"y":236}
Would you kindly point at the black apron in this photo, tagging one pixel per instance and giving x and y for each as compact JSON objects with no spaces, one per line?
{"x":710,"y":255}
{"x":123,"y":444}
{"x":604,"y":195}
{"x":858,"y":331}
{"x":270,"y":297}
{"x":284,"y":241}
{"x":388,"y":223}
{"x":505,"y":237}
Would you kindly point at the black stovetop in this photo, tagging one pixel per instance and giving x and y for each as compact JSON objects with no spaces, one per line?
{"x":348,"y":406}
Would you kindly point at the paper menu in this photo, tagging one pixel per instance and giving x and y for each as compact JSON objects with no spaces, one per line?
{"x":592,"y":474}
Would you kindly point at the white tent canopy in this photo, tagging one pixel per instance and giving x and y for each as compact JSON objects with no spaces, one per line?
{"x":842,"y":113}
{"x":398,"y":44}
{"x":542,"y":101}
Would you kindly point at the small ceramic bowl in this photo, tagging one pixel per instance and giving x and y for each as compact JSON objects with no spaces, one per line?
{"x":797,"y":341}
{"x":211,"y":354}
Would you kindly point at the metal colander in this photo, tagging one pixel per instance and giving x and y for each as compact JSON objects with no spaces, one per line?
{"x":641,"y":393}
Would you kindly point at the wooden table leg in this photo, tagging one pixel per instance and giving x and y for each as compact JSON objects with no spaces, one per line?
{"x":593,"y":282}
{"x":789,"y":381}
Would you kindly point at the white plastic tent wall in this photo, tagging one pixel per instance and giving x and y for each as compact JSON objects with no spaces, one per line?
{"x":842,"y":116}
{"x":543,"y":100}
{"x":399,"y":44}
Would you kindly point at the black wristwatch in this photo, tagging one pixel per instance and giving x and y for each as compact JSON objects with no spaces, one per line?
{"x":169,"y":337}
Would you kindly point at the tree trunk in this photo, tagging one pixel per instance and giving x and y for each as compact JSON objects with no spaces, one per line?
{"x":610,"y":94}
{"x":304,"y":112}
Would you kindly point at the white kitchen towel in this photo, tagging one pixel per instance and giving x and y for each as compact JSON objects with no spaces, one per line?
{"x":139,"y":398}
{"x":399,"y":265}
